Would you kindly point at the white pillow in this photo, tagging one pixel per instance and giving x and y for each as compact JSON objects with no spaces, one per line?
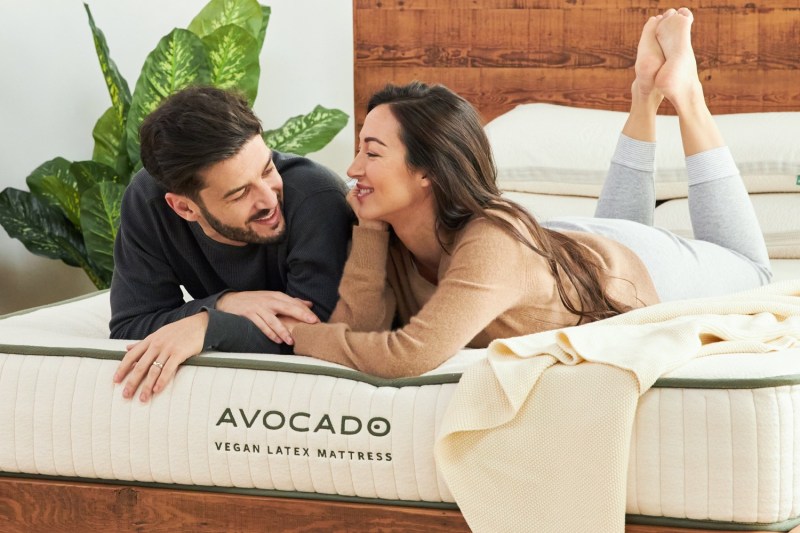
{"x":551,"y":149}
{"x":778,"y":215}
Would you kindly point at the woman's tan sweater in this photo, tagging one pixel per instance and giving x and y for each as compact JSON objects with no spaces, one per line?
{"x":490,"y":286}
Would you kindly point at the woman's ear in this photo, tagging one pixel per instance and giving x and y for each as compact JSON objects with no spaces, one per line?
{"x":424,"y":181}
{"x":183,"y":206}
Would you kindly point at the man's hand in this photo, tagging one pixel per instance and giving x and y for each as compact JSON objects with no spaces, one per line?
{"x":262,"y":309}
{"x":153,"y":361}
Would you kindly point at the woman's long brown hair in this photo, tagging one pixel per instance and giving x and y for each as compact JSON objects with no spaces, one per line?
{"x":444,"y":137}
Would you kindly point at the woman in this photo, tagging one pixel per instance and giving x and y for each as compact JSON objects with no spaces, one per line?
{"x":439,"y":248}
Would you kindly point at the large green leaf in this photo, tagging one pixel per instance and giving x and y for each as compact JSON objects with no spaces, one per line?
{"x":266,"y":11}
{"x":246,"y":14}
{"x":233,"y":55}
{"x":100,"y":212}
{"x":177,"y":62}
{"x":90,"y":173}
{"x":42,"y":228}
{"x":53,"y":183}
{"x":304,"y":134}
{"x":117,"y":86}
{"x":109,"y":143}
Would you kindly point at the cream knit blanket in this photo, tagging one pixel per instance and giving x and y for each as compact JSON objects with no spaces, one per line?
{"x":536,"y":437}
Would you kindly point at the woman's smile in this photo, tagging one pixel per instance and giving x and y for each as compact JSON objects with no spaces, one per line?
{"x":363,"y":191}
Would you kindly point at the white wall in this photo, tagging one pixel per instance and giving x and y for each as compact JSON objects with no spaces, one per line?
{"x":52,"y":92}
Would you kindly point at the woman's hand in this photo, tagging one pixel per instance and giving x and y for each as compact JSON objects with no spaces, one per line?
{"x":356,"y":206}
{"x":290,"y":323}
{"x":153,"y":361}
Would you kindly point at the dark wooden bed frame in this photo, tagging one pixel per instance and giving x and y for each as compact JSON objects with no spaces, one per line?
{"x":33,"y":505}
{"x":497,"y":54}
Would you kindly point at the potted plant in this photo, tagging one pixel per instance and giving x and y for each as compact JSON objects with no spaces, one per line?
{"x":71,"y":211}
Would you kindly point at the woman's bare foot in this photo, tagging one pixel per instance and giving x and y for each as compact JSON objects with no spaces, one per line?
{"x":679,"y":82}
{"x":645,"y":98}
{"x":649,"y":57}
{"x":677,"y":79}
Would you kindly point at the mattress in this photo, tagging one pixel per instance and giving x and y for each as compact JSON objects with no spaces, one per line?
{"x":714,"y":442}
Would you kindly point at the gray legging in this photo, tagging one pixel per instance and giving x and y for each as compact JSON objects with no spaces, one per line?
{"x":728,"y":253}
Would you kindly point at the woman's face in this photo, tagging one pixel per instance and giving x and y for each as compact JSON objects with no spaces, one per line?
{"x":387,"y":189}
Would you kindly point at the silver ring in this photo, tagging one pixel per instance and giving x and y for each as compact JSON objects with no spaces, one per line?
{"x":158,"y":364}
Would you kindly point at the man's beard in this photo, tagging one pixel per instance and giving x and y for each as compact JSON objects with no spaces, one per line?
{"x":245,"y":234}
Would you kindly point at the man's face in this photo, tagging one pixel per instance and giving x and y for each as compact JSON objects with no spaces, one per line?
{"x":243,"y":198}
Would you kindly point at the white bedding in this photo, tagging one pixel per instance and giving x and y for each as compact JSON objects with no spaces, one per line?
{"x":715,"y":440}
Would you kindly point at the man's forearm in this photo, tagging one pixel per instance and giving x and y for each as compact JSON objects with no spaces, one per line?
{"x":227,"y":332}
{"x":130,"y":323}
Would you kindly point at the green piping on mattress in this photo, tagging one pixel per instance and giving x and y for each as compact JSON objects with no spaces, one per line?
{"x":713,"y":525}
{"x":630,"y":519}
{"x":731,"y":383}
{"x":354,"y":375}
{"x":243,"y":364}
{"x":60,"y":302}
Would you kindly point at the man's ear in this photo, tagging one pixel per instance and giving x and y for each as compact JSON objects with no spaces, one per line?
{"x":183,"y":206}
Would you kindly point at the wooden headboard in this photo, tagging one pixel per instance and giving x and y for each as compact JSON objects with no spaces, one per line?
{"x":500,"y":53}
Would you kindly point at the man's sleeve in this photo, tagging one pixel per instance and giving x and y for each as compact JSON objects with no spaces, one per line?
{"x":145,"y":291}
{"x":320,"y":230}
{"x":146,"y":295}
{"x":227,"y":332}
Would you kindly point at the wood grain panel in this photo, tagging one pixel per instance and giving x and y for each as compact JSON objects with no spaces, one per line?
{"x":28,"y":506}
{"x":496,"y":91}
{"x":779,"y":39}
{"x":558,"y":38}
{"x":406,"y":5}
{"x":414,"y":38}
{"x":500,"y":53}
{"x":32,"y":506}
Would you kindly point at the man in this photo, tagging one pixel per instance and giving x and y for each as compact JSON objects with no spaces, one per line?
{"x":251,"y":234}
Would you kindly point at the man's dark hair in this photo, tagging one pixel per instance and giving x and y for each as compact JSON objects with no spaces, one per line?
{"x":191,"y":130}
